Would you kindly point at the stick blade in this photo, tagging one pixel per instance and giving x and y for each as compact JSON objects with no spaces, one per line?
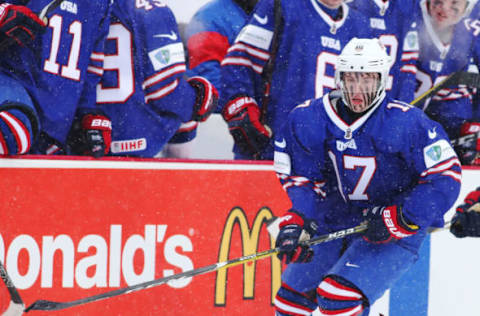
{"x":44,"y":305}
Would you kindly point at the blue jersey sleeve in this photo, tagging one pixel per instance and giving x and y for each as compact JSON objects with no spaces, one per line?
{"x":428,"y":149}
{"x":246,"y":58}
{"x":298,"y":160}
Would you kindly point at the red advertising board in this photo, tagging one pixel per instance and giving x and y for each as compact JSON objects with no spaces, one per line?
{"x":75,"y":228}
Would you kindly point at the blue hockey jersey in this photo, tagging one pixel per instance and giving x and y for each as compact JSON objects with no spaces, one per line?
{"x":451,"y":106}
{"x":304,"y":67}
{"x":392,"y":155}
{"x":143,"y":90}
{"x":61,"y":71}
{"x":393,"y":23}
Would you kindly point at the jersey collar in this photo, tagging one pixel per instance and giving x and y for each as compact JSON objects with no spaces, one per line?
{"x":382,"y":6}
{"x":334,"y":25}
{"x":339,"y":122}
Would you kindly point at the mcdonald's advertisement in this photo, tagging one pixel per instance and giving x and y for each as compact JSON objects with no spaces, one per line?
{"x":74,"y":228}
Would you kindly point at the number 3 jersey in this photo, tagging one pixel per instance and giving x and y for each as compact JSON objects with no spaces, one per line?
{"x":143,"y":90}
{"x":392,"y":155}
{"x":308,"y":46}
{"x":62,"y":69}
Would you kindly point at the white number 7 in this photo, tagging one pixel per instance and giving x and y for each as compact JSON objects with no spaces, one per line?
{"x":369,"y":166}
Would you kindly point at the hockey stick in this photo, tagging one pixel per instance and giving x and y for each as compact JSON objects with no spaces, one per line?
{"x":51,"y":305}
{"x":16,"y":303}
{"x":469,"y":79}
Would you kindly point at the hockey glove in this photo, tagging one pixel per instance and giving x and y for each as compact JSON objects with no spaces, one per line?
{"x":385,"y":223}
{"x":206,"y":98}
{"x":466,"y":221}
{"x":92,"y":136}
{"x":15,"y":132}
{"x":18,"y":24}
{"x":242,"y":115}
{"x":293,"y":230}
{"x":469,"y":150}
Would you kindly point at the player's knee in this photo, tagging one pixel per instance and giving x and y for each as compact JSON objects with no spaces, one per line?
{"x":291,"y":302}
{"x":16,"y":132}
{"x":337,"y":296}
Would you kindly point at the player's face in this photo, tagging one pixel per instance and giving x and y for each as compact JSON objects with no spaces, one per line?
{"x":332,"y":4}
{"x":360,"y":89}
{"x":446,"y":13}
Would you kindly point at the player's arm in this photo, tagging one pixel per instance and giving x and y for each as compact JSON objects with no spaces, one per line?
{"x":206,"y":46}
{"x":242,"y":70}
{"x":167,"y":91}
{"x":439,"y":174}
{"x":427,"y":150}
{"x":18,"y":25}
{"x":19,"y":126}
{"x":296,"y":161}
{"x":91,"y":130}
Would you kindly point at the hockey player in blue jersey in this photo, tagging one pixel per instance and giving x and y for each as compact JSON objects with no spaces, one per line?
{"x":59,"y":70}
{"x":448,"y":37}
{"x":393,"y":22}
{"x":143,"y":89}
{"x":285,"y":53}
{"x":18,"y":118}
{"x":356,"y":155}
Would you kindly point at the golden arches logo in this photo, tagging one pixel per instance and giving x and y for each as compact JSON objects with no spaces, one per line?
{"x":250,"y":239}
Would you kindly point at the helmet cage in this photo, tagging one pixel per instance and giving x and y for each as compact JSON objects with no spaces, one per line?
{"x":366,"y":56}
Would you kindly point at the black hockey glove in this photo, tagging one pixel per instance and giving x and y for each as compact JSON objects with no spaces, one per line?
{"x":206,"y":98}
{"x":242,"y":115}
{"x":466,"y":221}
{"x":18,"y":25}
{"x":91,"y":136}
{"x":468,"y":149}
{"x":385,"y":223}
{"x":293,"y":230}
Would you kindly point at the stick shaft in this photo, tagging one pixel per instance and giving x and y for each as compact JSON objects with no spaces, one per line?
{"x":51,"y":305}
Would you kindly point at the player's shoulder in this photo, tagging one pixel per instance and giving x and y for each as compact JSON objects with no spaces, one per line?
{"x":410,"y":118}
{"x":144,"y":7}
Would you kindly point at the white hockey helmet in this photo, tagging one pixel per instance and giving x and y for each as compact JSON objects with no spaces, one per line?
{"x":366,"y":55}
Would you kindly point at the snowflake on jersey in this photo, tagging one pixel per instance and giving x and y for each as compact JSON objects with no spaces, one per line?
{"x":451,"y":106}
{"x":393,"y":23}
{"x":143,"y":90}
{"x":310,"y":39}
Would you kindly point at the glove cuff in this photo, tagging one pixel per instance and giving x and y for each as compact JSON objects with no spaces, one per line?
{"x":236,"y":105}
{"x":99,"y":122}
{"x":293,"y":217}
{"x":473,"y":197}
